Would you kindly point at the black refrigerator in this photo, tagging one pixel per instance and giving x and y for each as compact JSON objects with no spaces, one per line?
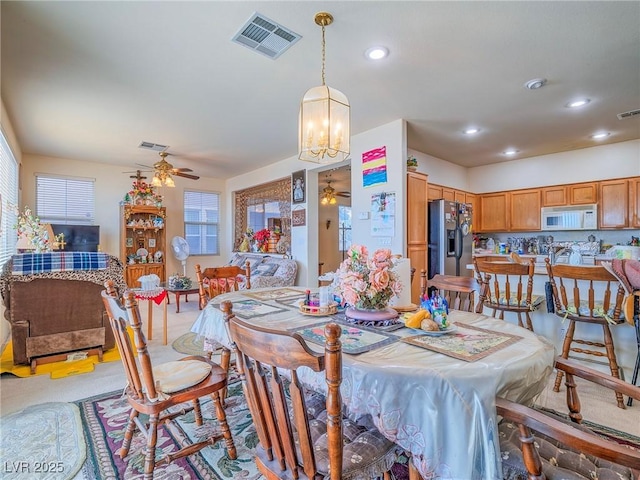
{"x":450,"y":238}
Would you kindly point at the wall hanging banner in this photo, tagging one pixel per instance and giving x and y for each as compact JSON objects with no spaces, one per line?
{"x":374,"y":167}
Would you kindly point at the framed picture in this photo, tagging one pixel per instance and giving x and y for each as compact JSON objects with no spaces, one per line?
{"x":129,"y":241}
{"x":298,"y":186}
{"x":152,"y":243}
{"x":299,"y":218}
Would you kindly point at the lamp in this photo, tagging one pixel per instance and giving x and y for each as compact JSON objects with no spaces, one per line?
{"x":324,"y":123}
{"x":328,"y":195}
{"x":162,"y":178}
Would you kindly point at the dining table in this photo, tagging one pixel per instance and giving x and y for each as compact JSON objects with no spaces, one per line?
{"x":433,"y":394}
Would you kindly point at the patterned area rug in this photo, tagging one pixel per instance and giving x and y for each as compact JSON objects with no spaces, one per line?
{"x":42,"y":442}
{"x":188,"y":344}
{"x":105,"y":418}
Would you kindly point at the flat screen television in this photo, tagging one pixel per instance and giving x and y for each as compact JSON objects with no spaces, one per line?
{"x":78,"y":238}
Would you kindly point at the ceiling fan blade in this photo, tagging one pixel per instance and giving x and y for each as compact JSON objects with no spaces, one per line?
{"x":343,"y":194}
{"x":185,"y":175}
{"x":176,"y":170}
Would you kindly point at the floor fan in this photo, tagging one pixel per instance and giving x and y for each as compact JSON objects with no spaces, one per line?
{"x":180,"y":249}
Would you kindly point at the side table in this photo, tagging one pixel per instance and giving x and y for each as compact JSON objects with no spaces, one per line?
{"x":180,"y":291}
{"x":159,"y":296}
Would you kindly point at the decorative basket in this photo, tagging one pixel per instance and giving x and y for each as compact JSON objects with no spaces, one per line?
{"x":316,"y":310}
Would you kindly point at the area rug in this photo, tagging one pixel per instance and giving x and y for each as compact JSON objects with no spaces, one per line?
{"x":104,"y":419}
{"x":56,"y":369}
{"x":189,"y":344}
{"x":43,"y":441}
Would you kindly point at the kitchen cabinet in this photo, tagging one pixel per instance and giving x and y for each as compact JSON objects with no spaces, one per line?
{"x":459,"y":196}
{"x":417,"y":211}
{"x":613,"y":211}
{"x":142,"y":227}
{"x":634,"y":202}
{"x":583,"y":193}
{"x":435,"y":192}
{"x":524,"y":210}
{"x":554,"y":196}
{"x":449,"y":194}
{"x":494,"y":208}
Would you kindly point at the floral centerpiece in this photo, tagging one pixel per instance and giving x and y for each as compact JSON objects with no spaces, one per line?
{"x":261,"y":238}
{"x":178,"y":281}
{"x":142,"y":193}
{"x":29,"y":227}
{"x":367,"y":282}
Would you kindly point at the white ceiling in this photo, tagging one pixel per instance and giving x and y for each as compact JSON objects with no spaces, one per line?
{"x":91,"y":80}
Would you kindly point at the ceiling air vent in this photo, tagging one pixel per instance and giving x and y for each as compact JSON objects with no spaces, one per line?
{"x":153,"y":146}
{"x":265,"y":36}
{"x":629,"y":114}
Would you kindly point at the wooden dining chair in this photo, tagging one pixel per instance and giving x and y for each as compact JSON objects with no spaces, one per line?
{"x":542,"y":444}
{"x":153,"y":389}
{"x":508,"y":287}
{"x":460,"y":292}
{"x":587,"y":295}
{"x":218,"y":280}
{"x":301,"y":433}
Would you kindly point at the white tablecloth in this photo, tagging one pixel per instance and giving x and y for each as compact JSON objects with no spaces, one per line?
{"x":439,"y":408}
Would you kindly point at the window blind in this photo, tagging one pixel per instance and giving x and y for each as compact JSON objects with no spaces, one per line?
{"x":201,"y":222}
{"x":65,"y":200}
{"x":8,"y":200}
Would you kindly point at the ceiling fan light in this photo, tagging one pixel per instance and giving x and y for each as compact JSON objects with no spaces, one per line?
{"x":156,"y":181}
{"x":324,"y":201}
{"x":333,"y":201}
{"x":169,"y":181}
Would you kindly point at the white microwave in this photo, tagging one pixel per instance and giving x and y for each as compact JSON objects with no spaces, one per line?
{"x":575,"y":217}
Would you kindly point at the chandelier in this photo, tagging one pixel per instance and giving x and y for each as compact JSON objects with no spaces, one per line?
{"x":328,"y":195}
{"x":324,"y":123}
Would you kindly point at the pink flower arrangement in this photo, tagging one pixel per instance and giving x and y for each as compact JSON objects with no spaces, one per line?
{"x":365,"y":281}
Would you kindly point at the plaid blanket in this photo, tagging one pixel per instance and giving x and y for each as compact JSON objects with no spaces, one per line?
{"x":28,"y":263}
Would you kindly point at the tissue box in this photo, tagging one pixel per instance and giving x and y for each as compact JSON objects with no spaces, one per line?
{"x":149,"y":282}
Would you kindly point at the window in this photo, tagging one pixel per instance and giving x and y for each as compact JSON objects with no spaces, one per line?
{"x":8,"y":200}
{"x":344,"y":231}
{"x":65,"y":200}
{"x":201,"y":222}
{"x":255,"y":206}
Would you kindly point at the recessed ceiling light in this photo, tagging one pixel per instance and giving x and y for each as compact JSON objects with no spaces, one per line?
{"x":471,"y":131}
{"x":376,"y":53}
{"x":578,"y":103}
{"x":511,"y":151}
{"x":535,"y":83}
{"x":600,"y":135}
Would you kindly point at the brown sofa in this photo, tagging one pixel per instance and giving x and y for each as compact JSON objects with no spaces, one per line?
{"x":55,"y":313}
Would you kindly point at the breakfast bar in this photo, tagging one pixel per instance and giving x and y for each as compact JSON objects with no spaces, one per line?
{"x":433,"y":396}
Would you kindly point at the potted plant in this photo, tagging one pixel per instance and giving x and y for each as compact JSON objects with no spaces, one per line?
{"x":412,"y":163}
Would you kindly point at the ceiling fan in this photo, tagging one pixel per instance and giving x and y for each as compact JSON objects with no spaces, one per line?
{"x":329,"y":194}
{"x":163,"y":172}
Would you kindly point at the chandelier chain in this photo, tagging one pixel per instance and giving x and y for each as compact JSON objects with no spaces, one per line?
{"x":323,"y":55}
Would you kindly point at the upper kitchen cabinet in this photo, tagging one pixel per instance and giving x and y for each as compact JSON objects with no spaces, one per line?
{"x":634,"y":202}
{"x":583,"y":193}
{"x":417,"y":188}
{"x":449,"y":194}
{"x":494,"y":209}
{"x":615,"y":210}
{"x":554,"y":196}
{"x":435,"y":192}
{"x":524,"y":210}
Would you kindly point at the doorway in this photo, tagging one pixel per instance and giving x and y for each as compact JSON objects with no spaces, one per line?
{"x":334,"y":217}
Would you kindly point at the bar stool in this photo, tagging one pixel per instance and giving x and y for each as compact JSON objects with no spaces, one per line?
{"x":508,"y":287}
{"x":587,"y":294}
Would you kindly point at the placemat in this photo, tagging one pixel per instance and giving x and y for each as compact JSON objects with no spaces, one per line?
{"x":467,"y":343}
{"x":354,"y":339}
{"x":252,"y":308}
{"x":273,"y":294}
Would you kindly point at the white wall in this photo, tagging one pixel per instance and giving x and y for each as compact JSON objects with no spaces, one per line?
{"x":111,"y":185}
{"x":442,"y":172}
{"x":602,"y":162}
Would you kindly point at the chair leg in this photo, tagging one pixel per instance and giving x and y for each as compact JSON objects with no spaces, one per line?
{"x":128,"y":434}
{"x":566,"y":347}
{"x":613,"y":363}
{"x":224,"y":426}
{"x":414,"y":474}
{"x":150,"y":454}
{"x":197,"y":411}
{"x":225,"y":361}
{"x":529,"y":324}
{"x":520,"y":324}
